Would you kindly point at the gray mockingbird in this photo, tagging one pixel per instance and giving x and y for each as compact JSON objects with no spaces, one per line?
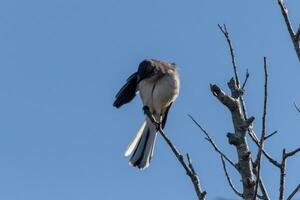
{"x":158,"y":85}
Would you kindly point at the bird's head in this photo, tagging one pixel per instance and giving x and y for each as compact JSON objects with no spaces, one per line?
{"x":147,"y":69}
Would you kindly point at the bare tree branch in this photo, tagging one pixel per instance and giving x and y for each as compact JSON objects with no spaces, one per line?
{"x":266,"y":154}
{"x":223,"y":156}
{"x":265,"y":195}
{"x":240,"y":99}
{"x":294,"y":37}
{"x":246,"y":79}
{"x":233,"y":60}
{"x":210,"y":140}
{"x":282,"y":176}
{"x":229,"y":179}
{"x":284,"y":12}
{"x":268,"y":136}
{"x":190,"y":163}
{"x":242,"y":102}
{"x":297,"y":36}
{"x":188,"y":167}
{"x":226,"y":34}
{"x":296,"y":106}
{"x":285,"y":156}
{"x":263,"y":132}
{"x":297,"y":189}
{"x":238,"y":139}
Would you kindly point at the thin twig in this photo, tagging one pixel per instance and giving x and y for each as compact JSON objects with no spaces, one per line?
{"x":297,"y":36}
{"x":246,"y":79}
{"x":263,"y":132}
{"x":226,"y":34}
{"x":292,"y":153}
{"x":268,"y":136}
{"x":284,"y":12}
{"x":265,"y":195}
{"x":209,"y":139}
{"x":297,"y":189}
{"x":297,"y":108}
{"x":233,"y":60}
{"x":285,"y":156}
{"x":229,"y":179}
{"x":190,"y":163}
{"x":266,"y":154}
{"x":188,"y":167}
{"x":294,"y":37}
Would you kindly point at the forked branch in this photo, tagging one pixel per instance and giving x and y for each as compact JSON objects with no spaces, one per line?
{"x":263,"y":132}
{"x":285,"y":156}
{"x":189,"y":169}
{"x":210,"y":140}
{"x":236,"y":89}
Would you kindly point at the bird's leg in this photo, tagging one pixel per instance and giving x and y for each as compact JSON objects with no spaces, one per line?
{"x":151,"y":117}
{"x":146,"y":110}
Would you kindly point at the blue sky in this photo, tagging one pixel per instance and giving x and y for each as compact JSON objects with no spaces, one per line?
{"x":63,"y":61}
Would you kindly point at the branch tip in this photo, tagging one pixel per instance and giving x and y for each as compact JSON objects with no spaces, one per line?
{"x":297,"y":108}
{"x":268,"y":136}
{"x":246,"y":79}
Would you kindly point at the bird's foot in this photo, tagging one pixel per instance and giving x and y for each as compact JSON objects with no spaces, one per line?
{"x":157,"y":124}
{"x":146,"y":110}
{"x":151,"y":117}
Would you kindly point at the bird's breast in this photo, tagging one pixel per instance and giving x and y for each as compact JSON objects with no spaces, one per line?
{"x":158,"y":94}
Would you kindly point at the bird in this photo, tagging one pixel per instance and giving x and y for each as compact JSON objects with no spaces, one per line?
{"x":157,"y":83}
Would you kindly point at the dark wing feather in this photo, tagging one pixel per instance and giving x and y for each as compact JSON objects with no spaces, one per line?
{"x":163,"y":123}
{"x":127,"y":92}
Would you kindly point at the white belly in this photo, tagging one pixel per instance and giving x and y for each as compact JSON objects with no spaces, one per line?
{"x":158,"y":95}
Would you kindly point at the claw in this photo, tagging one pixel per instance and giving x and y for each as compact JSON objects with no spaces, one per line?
{"x":149,"y":114}
{"x":146,"y":110}
{"x":157,"y":125}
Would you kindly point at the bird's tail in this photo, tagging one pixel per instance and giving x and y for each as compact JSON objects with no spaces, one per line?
{"x":142,"y":146}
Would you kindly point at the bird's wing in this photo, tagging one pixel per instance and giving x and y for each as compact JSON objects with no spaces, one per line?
{"x":127,"y":92}
{"x":163,"y":123}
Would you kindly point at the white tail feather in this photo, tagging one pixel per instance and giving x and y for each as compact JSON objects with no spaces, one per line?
{"x":135,"y":141}
{"x":144,"y":146}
